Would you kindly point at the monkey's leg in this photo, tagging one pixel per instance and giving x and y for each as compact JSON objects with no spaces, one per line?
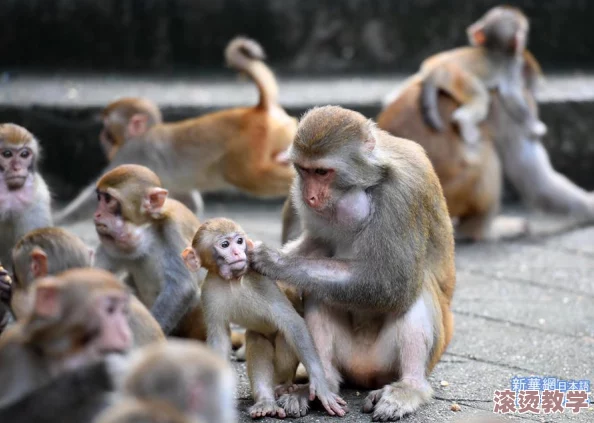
{"x":407,"y":342}
{"x":285,"y":365}
{"x":260,"y":369}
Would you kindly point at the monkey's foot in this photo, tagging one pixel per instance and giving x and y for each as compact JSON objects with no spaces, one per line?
{"x":296,"y":404}
{"x":285,"y":388}
{"x":266,"y":408}
{"x":507,"y":227}
{"x":394,"y":401}
{"x":469,"y":131}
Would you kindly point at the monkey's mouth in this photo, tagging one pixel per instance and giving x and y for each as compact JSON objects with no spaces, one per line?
{"x":238,"y":265}
{"x":15,"y":182}
{"x":104,"y":232}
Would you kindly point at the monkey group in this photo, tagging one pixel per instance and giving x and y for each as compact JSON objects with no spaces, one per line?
{"x":142,"y":328}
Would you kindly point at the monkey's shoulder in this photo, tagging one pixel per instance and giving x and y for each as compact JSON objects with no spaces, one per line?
{"x":180,"y":218}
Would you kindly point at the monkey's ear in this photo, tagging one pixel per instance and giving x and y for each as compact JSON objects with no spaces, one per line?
{"x":38,"y":263}
{"x":369,"y":142}
{"x":476,"y":34}
{"x":47,"y":299}
{"x":154,"y":201}
{"x":191,"y":260}
{"x":137,"y":124}
{"x":250,"y":244}
{"x":282,"y":157}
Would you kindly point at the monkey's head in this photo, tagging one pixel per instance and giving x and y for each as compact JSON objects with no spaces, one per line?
{"x":80,"y":312}
{"x":129,"y":197}
{"x":19,"y":151}
{"x":333,"y":152}
{"x":126,"y":118}
{"x":502,"y":28}
{"x":220,"y":246}
{"x":43,"y":252}
{"x":136,"y":411}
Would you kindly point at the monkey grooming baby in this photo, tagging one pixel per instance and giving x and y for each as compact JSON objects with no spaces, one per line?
{"x":277,"y":337}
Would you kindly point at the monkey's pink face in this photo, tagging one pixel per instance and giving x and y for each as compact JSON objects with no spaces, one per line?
{"x":113,"y":310}
{"x":15,"y":164}
{"x":231,"y":255}
{"x":110,"y":225}
{"x":316,"y":183}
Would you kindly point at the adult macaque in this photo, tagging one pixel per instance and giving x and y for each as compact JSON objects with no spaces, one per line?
{"x":277,"y":337}
{"x":78,"y":317}
{"x":49,"y":251}
{"x":24,"y":196}
{"x":240,"y":148}
{"x":187,"y":376}
{"x":495,"y":60}
{"x":473,"y":189}
{"x":375,"y":260}
{"x":134,"y":411}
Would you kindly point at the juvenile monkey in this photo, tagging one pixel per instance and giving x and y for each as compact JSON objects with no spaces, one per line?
{"x":277,"y":337}
{"x":495,"y":60}
{"x":186,"y":376}
{"x":78,"y":317}
{"x":375,"y":260}
{"x":239,"y":148}
{"x":49,"y":251}
{"x":24,"y":196}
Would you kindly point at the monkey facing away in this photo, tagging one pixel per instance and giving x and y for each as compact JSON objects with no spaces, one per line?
{"x":277,"y":337}
{"x":375,"y":260}
{"x":24,"y":196}
{"x":78,"y":318}
{"x":236,"y":149}
{"x":49,"y":251}
{"x":495,"y":60}
{"x":185,"y":376}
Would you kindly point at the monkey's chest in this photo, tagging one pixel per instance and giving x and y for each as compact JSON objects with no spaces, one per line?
{"x":148,"y":283}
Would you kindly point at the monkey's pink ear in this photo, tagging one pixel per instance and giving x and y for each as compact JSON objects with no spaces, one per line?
{"x":137,"y":125}
{"x":47,"y":299}
{"x":369,"y":142}
{"x":250,"y":244}
{"x":476,"y":34}
{"x":154,"y":201}
{"x":191,"y":260}
{"x":282,"y":157}
{"x":38,"y":263}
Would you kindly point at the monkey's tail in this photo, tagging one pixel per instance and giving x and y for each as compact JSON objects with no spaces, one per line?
{"x":247,"y":55}
{"x":429,"y":105}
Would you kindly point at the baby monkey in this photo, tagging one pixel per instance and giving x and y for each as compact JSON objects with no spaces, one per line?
{"x":277,"y":337}
{"x":495,"y":61}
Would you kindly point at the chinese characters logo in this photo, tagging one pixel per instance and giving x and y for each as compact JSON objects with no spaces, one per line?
{"x":542,"y":395}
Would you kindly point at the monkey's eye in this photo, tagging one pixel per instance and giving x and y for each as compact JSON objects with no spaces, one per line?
{"x":321,"y":172}
{"x":240,"y":241}
{"x":25,"y":154}
{"x":224,"y":244}
{"x":7,"y":154}
{"x":111,"y":307}
{"x":107,"y":197}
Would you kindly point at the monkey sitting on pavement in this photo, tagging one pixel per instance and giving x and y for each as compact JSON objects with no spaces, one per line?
{"x":277,"y":337}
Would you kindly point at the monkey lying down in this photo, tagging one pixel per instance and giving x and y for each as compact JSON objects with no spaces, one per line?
{"x":277,"y":337}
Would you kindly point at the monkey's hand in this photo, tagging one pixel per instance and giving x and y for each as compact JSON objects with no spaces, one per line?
{"x":267,"y":261}
{"x":5,"y":286}
{"x":333,"y":403}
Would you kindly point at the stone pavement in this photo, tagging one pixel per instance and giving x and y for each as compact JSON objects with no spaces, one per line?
{"x":522,"y":308}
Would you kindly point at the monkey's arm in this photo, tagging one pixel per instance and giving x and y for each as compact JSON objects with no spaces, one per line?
{"x":218,"y":335}
{"x":76,"y":396}
{"x":177,"y":293}
{"x":512,"y":95}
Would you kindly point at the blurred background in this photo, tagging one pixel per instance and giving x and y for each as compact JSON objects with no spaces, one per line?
{"x":62,"y":60}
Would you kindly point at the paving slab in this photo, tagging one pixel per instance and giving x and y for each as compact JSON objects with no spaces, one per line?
{"x":521,"y":308}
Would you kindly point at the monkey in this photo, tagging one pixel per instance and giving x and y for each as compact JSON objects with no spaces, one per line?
{"x":375,"y":260}
{"x":229,"y":150}
{"x":495,"y":59}
{"x":473,"y":190}
{"x":277,"y":337}
{"x":49,"y":251}
{"x":187,"y":376}
{"x":24,"y":195}
{"x":142,"y":232}
{"x":78,"y":318}
{"x":134,"y":411}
